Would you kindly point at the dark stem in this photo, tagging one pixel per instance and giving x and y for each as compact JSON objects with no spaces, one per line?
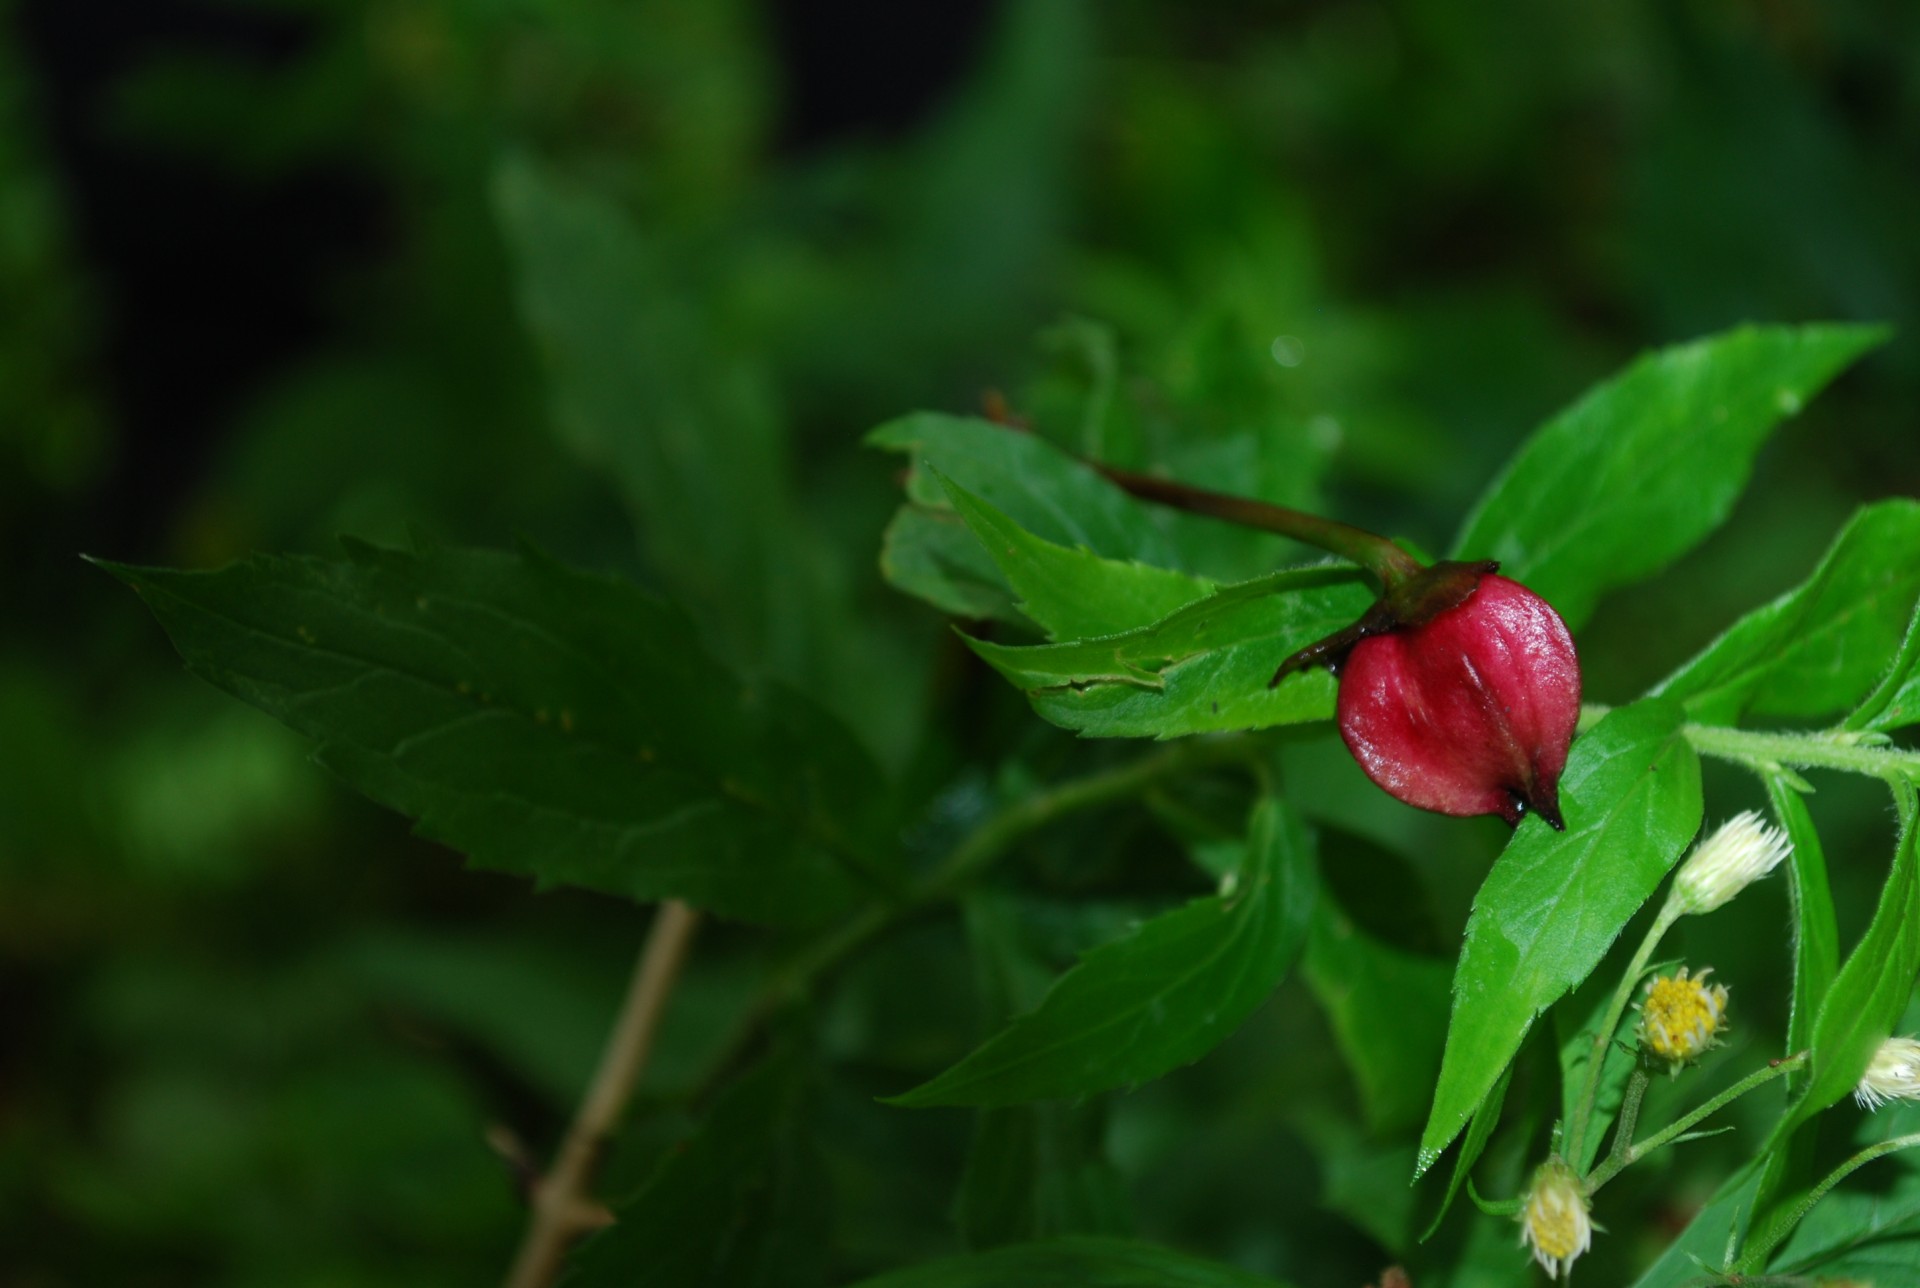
{"x":1379,"y":556}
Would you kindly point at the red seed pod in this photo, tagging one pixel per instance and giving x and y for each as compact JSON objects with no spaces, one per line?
{"x":1471,"y":711}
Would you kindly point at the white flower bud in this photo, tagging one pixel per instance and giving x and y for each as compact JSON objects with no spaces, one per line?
{"x":1553,"y":1218}
{"x":1892,"y":1074}
{"x":1733,"y":858}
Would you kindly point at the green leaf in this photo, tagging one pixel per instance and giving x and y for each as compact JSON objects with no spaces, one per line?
{"x":1872,"y":988}
{"x":1555,"y":901}
{"x":1202,"y":669}
{"x":931,"y":554}
{"x":1033,"y":1171}
{"x":1071,"y":594}
{"x":1855,"y":1234}
{"x":643,"y":385}
{"x":1630,"y":477}
{"x":1575,"y":1022}
{"x":1162,"y":997}
{"x":543,"y":721}
{"x":1386,"y":1006}
{"x":1714,"y":1235}
{"x":1082,"y":1263}
{"x":1815,"y":649}
{"x":1816,"y":934}
{"x":1895,"y":701}
{"x":1472,"y":1145}
{"x":741,"y":1205}
{"x":1038,"y":486}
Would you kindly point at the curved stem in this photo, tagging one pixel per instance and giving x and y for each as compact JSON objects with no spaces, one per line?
{"x":1670,"y":912}
{"x":1755,"y":1257}
{"x":1622,"y":1159}
{"x":1379,"y":556}
{"x":562,"y":1201}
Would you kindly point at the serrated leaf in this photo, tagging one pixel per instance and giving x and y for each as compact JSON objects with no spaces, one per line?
{"x":1642,"y":467}
{"x":1202,"y":669}
{"x":1555,"y":901}
{"x":1815,"y":649}
{"x":1083,"y":1263}
{"x":1872,"y":987}
{"x":1895,"y":701}
{"x":741,"y":1205}
{"x":1071,"y":594}
{"x":1162,"y":997}
{"x":543,"y":721}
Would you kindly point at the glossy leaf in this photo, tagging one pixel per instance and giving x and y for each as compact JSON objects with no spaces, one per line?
{"x":1071,"y":594}
{"x":1818,"y":647}
{"x":1642,"y":467}
{"x":1204,"y":668}
{"x":1555,"y":901}
{"x":1083,"y":1263}
{"x":543,"y":721}
{"x":1895,"y":701}
{"x":1161,"y":997}
{"x":741,"y":1205}
{"x":1816,"y":934}
{"x":1873,"y":985}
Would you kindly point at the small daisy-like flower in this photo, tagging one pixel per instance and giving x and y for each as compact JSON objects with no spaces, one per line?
{"x":1553,"y":1218}
{"x":1892,"y":1074}
{"x":1733,"y":858}
{"x":1680,"y":1017}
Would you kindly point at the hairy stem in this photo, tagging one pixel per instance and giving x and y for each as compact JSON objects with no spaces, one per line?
{"x":1763,"y":751}
{"x":1620,"y":1160}
{"x":563,"y":1207}
{"x":1670,"y":912}
{"x":1756,"y":1256}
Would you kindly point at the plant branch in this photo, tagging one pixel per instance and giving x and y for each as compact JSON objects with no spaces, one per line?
{"x":1670,"y":912}
{"x":563,"y":1207}
{"x":1854,"y":753}
{"x":1379,"y":556}
{"x":1620,"y":1160}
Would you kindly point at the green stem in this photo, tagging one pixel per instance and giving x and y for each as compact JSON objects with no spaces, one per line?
{"x":966,"y":862}
{"x":1621,"y":1160}
{"x":1670,"y":912}
{"x":1375,"y":553}
{"x":1755,"y":1257}
{"x":1849,"y":752}
{"x":1629,"y":1119}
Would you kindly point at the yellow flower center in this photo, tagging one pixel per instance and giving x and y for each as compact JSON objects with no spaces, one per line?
{"x":1680,"y":1017}
{"x":1554,"y":1226}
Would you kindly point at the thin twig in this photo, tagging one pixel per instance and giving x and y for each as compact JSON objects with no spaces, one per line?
{"x":562,"y":1202}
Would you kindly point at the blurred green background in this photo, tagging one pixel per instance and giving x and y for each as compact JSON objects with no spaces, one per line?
{"x":276,"y":271}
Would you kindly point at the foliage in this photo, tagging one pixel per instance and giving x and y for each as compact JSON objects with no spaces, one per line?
{"x":986,"y":991}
